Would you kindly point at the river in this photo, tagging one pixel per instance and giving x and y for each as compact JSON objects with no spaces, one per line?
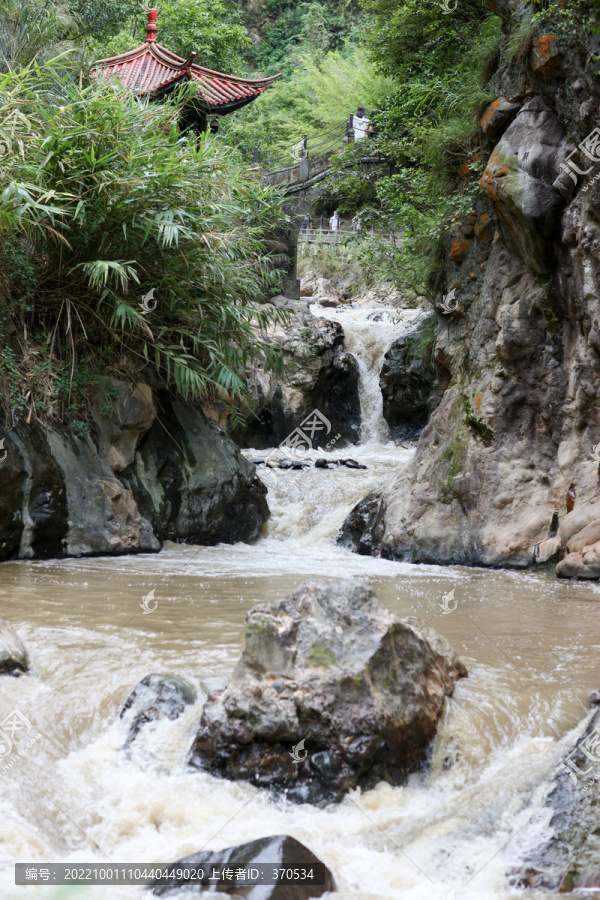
{"x":530,"y":643}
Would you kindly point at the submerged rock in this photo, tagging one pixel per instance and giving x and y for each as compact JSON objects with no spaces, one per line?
{"x":331,"y":691}
{"x":570,"y":859}
{"x":280,"y":851}
{"x":13,"y":655}
{"x":156,"y":697}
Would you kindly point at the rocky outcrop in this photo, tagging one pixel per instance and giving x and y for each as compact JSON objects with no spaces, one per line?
{"x":320,"y":375}
{"x":123,"y":413}
{"x":13,"y":656}
{"x":409,"y":385}
{"x":506,"y":471}
{"x":569,"y":860}
{"x":156,"y":697}
{"x":191,"y":482}
{"x":125,"y":487}
{"x":331,"y":691}
{"x":279,"y":851}
{"x":519,"y":180}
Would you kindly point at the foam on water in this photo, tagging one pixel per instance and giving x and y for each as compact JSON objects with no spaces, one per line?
{"x":530,"y":643}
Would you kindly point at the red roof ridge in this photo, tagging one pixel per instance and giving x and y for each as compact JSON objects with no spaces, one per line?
{"x":169,"y":58}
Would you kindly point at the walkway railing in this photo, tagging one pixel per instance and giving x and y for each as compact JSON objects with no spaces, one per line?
{"x":324,"y":235}
{"x":318,"y":145}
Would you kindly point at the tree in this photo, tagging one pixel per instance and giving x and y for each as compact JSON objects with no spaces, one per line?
{"x":33,"y":29}
{"x":213,"y":28}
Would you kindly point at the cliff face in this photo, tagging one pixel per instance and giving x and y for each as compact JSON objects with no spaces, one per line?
{"x":145,"y":473}
{"x":506,"y":472}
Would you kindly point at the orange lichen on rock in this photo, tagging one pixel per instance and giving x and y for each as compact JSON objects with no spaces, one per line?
{"x":496,"y":168}
{"x":484,"y":228}
{"x":544,"y":53}
{"x":459,"y":250}
{"x":488,"y":115}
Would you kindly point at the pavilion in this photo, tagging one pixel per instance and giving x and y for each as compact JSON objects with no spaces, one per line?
{"x":152,"y":71}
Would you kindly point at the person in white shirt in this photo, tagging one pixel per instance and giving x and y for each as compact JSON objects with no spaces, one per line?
{"x":334,"y":222}
{"x":360,"y":123}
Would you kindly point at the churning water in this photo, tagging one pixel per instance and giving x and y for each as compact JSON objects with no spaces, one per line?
{"x":531,"y":645}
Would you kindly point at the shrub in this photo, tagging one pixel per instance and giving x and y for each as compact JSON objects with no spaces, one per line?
{"x":103,"y":200}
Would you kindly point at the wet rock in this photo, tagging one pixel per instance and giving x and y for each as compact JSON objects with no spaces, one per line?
{"x":324,"y":698}
{"x":281,"y":850}
{"x":519,"y":421}
{"x":580,"y":536}
{"x":33,"y":499}
{"x":351,"y":464}
{"x":188,"y":481}
{"x":497,"y":117}
{"x":322,"y":463}
{"x":409,"y":385}
{"x":321,"y":375}
{"x":362,"y":530}
{"x":192,"y":483}
{"x":156,"y":697}
{"x":13,"y":656}
{"x":569,"y":860}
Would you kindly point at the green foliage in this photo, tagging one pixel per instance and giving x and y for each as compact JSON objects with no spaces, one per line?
{"x":454,"y":453}
{"x":33,"y":29}
{"x":289,"y":29}
{"x":420,"y":346}
{"x":426,"y":131}
{"x":578,"y":18}
{"x":322,"y":95}
{"x":213,"y":28}
{"x":101,"y":201}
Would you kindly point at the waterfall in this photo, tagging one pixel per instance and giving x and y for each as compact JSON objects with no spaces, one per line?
{"x":369,"y":334}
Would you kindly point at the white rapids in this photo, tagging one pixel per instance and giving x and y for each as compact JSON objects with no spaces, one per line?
{"x":531,"y":645}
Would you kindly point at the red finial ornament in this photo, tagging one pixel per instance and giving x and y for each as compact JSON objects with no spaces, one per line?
{"x":151,"y":26}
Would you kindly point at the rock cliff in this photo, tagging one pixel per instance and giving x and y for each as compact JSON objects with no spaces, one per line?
{"x":149,"y":470}
{"x":506,"y":471}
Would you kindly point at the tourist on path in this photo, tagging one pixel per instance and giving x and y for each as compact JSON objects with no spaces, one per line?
{"x":334,"y":222}
{"x":360,"y":123}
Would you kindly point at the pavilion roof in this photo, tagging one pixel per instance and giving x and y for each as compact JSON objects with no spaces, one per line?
{"x":151,"y":69}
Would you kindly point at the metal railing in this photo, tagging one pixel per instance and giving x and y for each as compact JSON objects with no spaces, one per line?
{"x":324,"y":235}
{"x":318,"y":145}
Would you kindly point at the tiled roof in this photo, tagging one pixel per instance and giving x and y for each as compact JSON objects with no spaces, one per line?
{"x":151,"y":68}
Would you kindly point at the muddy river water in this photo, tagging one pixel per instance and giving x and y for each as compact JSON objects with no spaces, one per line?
{"x":531,"y":644}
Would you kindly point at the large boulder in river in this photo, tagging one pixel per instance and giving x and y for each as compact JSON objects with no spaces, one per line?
{"x":13,"y":655}
{"x":331,"y":691}
{"x":277,"y":852}
{"x":320,"y":374}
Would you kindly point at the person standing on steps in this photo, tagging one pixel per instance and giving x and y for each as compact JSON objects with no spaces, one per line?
{"x":360,"y":123}
{"x":334,"y":222}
